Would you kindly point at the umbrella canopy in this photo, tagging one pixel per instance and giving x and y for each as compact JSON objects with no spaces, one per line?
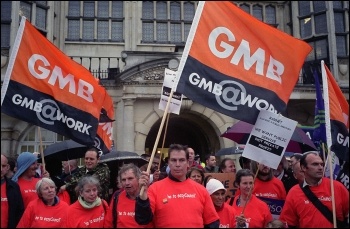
{"x":124,"y":157}
{"x":230,"y":151}
{"x":64,"y":151}
{"x":299,"y":142}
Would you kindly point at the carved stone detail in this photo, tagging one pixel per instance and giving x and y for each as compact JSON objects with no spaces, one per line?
{"x":151,"y":74}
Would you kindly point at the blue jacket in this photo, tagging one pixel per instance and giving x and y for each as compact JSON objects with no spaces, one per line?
{"x":15,"y":203}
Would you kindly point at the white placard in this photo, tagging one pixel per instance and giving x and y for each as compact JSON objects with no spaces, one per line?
{"x":269,"y":138}
{"x":175,"y":103}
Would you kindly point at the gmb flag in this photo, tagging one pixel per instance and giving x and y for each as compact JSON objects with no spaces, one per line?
{"x":45,"y":87}
{"x":336,"y":115}
{"x":237,"y":65}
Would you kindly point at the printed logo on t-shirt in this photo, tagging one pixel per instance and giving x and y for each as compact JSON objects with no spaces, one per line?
{"x":96,"y":220}
{"x":124,"y":213}
{"x":29,"y":190}
{"x":4,"y":199}
{"x":180,"y":196}
{"x":48,"y":219}
{"x":224,"y":225}
{"x":268,"y":195}
{"x":306,"y":201}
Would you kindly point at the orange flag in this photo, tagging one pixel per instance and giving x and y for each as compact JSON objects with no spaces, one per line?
{"x":45,"y":87}
{"x":237,"y":65}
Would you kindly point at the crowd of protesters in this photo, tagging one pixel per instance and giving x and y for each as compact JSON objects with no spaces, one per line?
{"x":179,"y":193}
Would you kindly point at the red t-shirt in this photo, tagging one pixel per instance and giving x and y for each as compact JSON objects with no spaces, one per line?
{"x":125,"y":212}
{"x":39,"y":215}
{"x":273,"y":189}
{"x":181,"y":204}
{"x":79,"y":217}
{"x":299,"y":211}
{"x":256,"y":212}
{"x":27,"y":188}
{"x":227,"y":216}
{"x":4,"y":206}
{"x":64,"y":196}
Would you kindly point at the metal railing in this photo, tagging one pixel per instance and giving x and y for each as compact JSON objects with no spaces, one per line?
{"x":103,"y":68}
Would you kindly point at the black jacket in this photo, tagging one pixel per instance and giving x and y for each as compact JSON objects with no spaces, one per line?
{"x":15,"y":203}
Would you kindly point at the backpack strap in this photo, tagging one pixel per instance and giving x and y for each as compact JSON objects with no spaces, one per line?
{"x":114,"y":208}
{"x":231,"y":201}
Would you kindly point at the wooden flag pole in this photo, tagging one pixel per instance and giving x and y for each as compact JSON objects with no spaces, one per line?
{"x":41,"y":150}
{"x":158,"y":136}
{"x":166,"y":128}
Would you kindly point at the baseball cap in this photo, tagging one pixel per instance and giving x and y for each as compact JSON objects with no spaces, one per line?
{"x":214,"y":185}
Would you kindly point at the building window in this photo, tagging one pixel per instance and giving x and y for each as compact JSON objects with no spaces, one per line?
{"x":32,"y":141}
{"x":100,"y":21}
{"x":5,"y":27}
{"x":36,"y":13}
{"x":263,"y":12}
{"x":167,"y":21}
{"x":340,"y":28}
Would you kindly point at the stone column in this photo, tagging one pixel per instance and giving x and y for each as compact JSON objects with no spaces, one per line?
{"x":129,"y":126}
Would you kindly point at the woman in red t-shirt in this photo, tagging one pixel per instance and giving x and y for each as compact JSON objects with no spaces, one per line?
{"x":47,"y":211}
{"x":253,"y":211}
{"x":89,"y":211}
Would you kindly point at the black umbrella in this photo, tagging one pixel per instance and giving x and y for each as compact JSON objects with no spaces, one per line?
{"x":116,"y":159}
{"x":123,"y":157}
{"x":64,"y":151}
{"x":229,"y":151}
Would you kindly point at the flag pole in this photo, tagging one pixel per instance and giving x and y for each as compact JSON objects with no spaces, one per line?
{"x":41,"y":150}
{"x":329,"y":136}
{"x":158,"y":136}
{"x":166,"y":127}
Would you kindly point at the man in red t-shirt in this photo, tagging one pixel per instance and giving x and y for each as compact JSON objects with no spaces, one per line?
{"x":175,"y":201}
{"x":299,"y":211}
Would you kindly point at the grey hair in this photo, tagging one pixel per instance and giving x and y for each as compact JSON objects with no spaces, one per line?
{"x":40,"y":182}
{"x":87,"y":180}
{"x":136,"y":170}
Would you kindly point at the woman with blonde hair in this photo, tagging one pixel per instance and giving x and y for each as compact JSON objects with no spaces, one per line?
{"x":89,"y":211}
{"x":47,"y":211}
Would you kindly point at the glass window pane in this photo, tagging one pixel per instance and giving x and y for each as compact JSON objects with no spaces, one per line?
{"x":73,"y":29}
{"x":304,"y":8}
{"x":26,"y":10}
{"x":319,"y":6}
{"x":341,"y":46}
{"x":339,"y":22}
{"x":117,"y":31}
{"x":187,"y":30}
{"x":89,"y":9}
{"x":305,"y":27}
{"x":102,"y":30}
{"x":46,"y":135}
{"x":42,"y":3}
{"x":147,"y":10}
{"x":147,"y":32}
{"x":337,"y":4}
{"x":257,"y":12}
{"x":321,"y":49}
{"x":117,"y":9}
{"x":321,"y":24}
{"x":40,"y":20}
{"x":31,"y":135}
{"x":270,"y":15}
{"x":245,"y":7}
{"x":6,"y":10}
{"x":88,"y":30}
{"x":175,"y":33}
{"x":161,"y":11}
{"x":74,"y":8}
{"x":102,"y":9}
{"x":5,"y":35}
{"x":175,"y":11}
{"x":311,"y":55}
{"x":189,"y":11}
{"x":162,"y":32}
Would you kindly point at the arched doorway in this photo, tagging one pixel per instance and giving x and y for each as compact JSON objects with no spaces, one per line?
{"x":187,"y":129}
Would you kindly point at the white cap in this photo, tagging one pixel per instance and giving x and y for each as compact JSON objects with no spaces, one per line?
{"x":214,"y":185}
